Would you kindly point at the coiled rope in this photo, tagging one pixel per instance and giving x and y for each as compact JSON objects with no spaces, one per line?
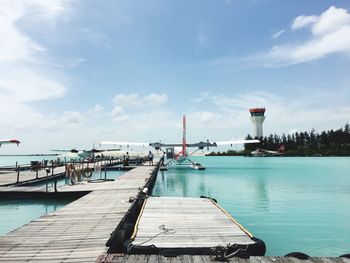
{"x":164,"y":231}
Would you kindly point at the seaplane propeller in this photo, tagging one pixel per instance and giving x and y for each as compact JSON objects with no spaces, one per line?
{"x":156,"y":145}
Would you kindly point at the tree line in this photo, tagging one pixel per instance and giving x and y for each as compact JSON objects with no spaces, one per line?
{"x":326,"y":143}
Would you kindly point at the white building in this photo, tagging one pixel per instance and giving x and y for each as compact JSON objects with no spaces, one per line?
{"x":257,"y":117}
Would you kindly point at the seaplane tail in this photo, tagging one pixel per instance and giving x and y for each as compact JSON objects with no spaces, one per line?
{"x":9,"y":142}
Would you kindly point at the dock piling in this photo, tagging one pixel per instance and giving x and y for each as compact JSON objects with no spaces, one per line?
{"x":18,"y":169}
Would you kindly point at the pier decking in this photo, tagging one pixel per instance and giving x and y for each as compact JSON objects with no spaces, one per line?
{"x":77,"y":232}
{"x":194,"y":224}
{"x":10,"y":177}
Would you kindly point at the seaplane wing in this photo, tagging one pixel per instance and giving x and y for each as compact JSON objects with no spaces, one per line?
{"x":9,"y":142}
{"x":64,"y":151}
{"x":109,"y":150}
{"x":176,"y":153}
{"x":236,"y":142}
{"x":125,"y":143}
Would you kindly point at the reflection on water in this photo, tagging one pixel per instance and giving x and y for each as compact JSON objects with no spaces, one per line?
{"x":261,"y":195}
{"x":293,"y":204}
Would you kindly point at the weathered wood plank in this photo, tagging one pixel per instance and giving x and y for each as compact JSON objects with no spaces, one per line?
{"x":191,"y":222}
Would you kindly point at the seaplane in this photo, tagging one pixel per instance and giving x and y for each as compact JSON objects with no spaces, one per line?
{"x":176,"y":154}
{"x":12,"y":141}
{"x":268,"y":153}
{"x":75,"y":154}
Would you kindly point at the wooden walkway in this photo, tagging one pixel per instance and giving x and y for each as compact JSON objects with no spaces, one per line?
{"x":25,"y":176}
{"x":115,"y":258}
{"x":176,"y":222}
{"x":77,"y":232}
{"x":8,"y":178}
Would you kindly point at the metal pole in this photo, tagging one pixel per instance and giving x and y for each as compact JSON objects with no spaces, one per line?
{"x":18,"y":169}
{"x":55,"y":186}
{"x":47,"y":182}
{"x":36,"y":172}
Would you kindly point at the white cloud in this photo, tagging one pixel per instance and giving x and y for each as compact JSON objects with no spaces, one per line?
{"x":134,"y":100}
{"x":128,"y":100}
{"x":22,"y":84}
{"x":62,"y":122}
{"x":303,"y":21}
{"x":23,"y":78}
{"x":202,"y":97}
{"x":156,"y":99}
{"x":97,"y":110}
{"x":330,"y":34}
{"x":72,"y":117}
{"x":135,"y":103}
{"x":119,"y":115}
{"x":278,"y":34}
{"x":207,"y":116}
{"x":331,"y":20}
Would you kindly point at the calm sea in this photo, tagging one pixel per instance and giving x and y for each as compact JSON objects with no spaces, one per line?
{"x":293,"y":204}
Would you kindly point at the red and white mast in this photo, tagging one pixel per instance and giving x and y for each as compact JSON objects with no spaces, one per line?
{"x":184,"y":136}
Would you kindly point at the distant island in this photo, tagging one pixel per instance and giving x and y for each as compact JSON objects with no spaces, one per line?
{"x":326,"y":143}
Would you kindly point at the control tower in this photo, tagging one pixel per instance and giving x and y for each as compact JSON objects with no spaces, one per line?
{"x":257,"y":117}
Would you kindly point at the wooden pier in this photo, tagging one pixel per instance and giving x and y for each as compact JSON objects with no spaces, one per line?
{"x":78,"y":232}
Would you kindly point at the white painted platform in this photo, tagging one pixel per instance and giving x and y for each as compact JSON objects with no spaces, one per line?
{"x":192,"y":223}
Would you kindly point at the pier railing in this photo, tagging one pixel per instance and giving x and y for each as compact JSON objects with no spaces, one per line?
{"x":40,"y":171}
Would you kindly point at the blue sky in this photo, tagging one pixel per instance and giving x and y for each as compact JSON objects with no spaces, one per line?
{"x":78,"y":72}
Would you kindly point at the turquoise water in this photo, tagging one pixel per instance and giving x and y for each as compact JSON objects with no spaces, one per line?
{"x":293,"y":204}
{"x":17,"y":212}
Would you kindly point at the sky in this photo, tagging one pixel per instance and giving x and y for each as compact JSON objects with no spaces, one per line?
{"x":74,"y":72}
